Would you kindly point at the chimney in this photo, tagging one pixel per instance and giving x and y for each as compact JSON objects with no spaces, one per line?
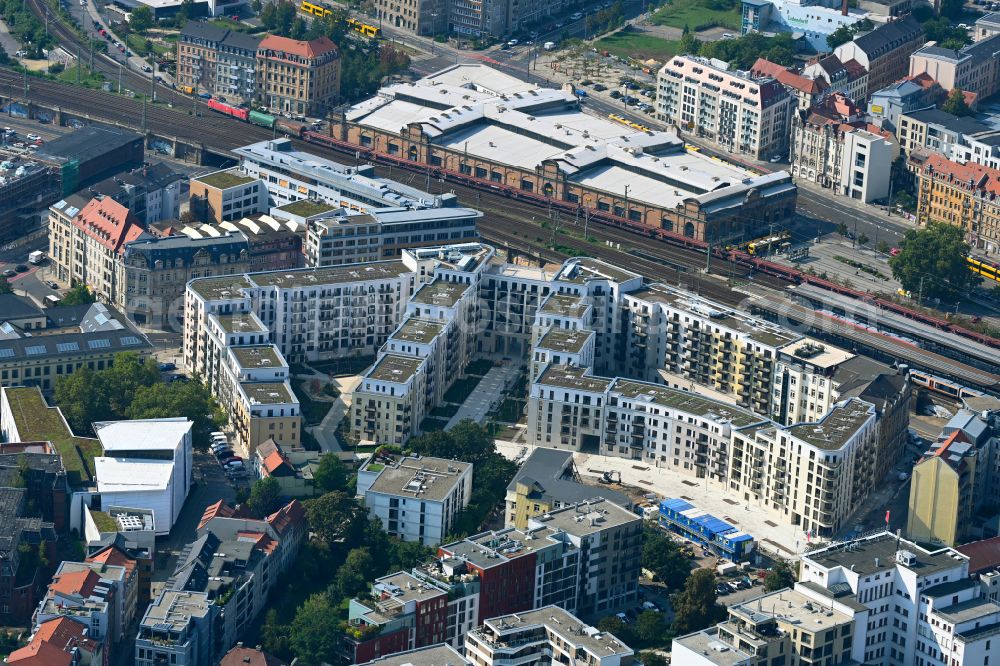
{"x":843,"y":7}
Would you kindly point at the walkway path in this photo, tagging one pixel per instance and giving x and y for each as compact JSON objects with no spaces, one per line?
{"x":487,"y":395}
{"x":325,"y":432}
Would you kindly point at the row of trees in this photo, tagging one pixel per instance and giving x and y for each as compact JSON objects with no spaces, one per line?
{"x":28,"y":29}
{"x":133,"y":389}
{"x":743,"y":51}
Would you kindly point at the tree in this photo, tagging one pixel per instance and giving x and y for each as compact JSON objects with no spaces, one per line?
{"x":186,"y":10}
{"x":649,"y":626}
{"x":882,"y":247}
{"x":5,"y":287}
{"x":689,"y":44}
{"x":335,"y":517}
{"x":315,"y":632}
{"x":951,"y":8}
{"x":265,"y":496}
{"x":78,"y":295}
{"x":955,"y":104}
{"x":842,"y":228}
{"x":122,"y":380}
{"x":298,"y":28}
{"x":354,"y":574}
{"x":931,"y":261}
{"x":141,"y":19}
{"x":79,"y":396}
{"x":650,"y":658}
{"x":841,"y":35}
{"x":613,"y":625}
{"x":695,"y":607}
{"x":662,"y":556}
{"x":274,"y":635}
{"x":330,"y":474}
{"x":779,"y":577}
{"x":191,"y":399}
{"x":863,"y":239}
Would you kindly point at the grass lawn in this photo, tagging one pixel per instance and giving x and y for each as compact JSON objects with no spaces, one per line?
{"x":137,"y":44}
{"x":343,"y":367}
{"x":696,"y":15}
{"x":625,"y":44}
{"x":88,"y":78}
{"x":313,"y":411}
{"x":445,"y":411}
{"x":479,"y":367}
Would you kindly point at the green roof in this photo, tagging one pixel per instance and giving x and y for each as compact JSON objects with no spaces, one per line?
{"x":224,"y":179}
{"x":307,"y":208}
{"x":104,"y":521}
{"x":37,"y":422}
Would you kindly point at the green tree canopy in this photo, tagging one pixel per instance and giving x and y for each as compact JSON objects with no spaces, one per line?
{"x":955,"y":104}
{"x":86,"y":396}
{"x":330,"y":474}
{"x":931,"y":261}
{"x":191,"y":399}
{"x":335,"y":517}
{"x":779,"y":577}
{"x":78,"y":295}
{"x":141,"y":19}
{"x":662,"y":556}
{"x":649,"y":626}
{"x":265,"y":496}
{"x":315,"y":632}
{"x":694,"y":606}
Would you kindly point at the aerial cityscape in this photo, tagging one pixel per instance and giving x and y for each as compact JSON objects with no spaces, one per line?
{"x":464,"y":333}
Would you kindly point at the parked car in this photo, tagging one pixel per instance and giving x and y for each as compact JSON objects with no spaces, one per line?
{"x":9,"y":273}
{"x":52,"y":285}
{"x":164,"y":367}
{"x":600,"y":87}
{"x":33,"y":137}
{"x":512,"y":42}
{"x":615,"y":94}
{"x":623,"y":617}
{"x":21,"y":268}
{"x":722,"y":589}
{"x":575,"y":16}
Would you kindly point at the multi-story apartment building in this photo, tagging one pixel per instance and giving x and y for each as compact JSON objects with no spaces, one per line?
{"x":780,"y":625}
{"x":807,"y":90}
{"x":152,"y":193}
{"x":849,"y":78}
{"x":60,"y":641}
{"x":435,"y":654}
{"x":815,"y":20}
{"x":177,"y":629}
{"x":297,"y":77}
{"x":866,"y":169}
{"x":43,"y":345}
{"x":884,"y":52}
{"x":218,"y":60}
{"x":974,"y":68}
{"x":92,"y":594}
{"x":937,"y":131}
{"x":86,"y":240}
{"x":265,"y":410}
{"x":886,"y":105}
{"x":420,"y":17}
{"x":731,"y":108}
{"x":954,"y":480}
{"x":548,"y":480}
{"x":155,"y":271}
{"x":541,"y":634}
{"x":962,"y":195}
{"x":416,"y":498}
{"x":987,"y":26}
{"x":273,"y":245}
{"x":473,"y":119}
{"x":227,"y":195}
{"x":236,"y":562}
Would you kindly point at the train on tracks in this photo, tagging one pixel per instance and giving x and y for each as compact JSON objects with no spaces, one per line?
{"x":283,"y":125}
{"x":360,"y":27}
{"x":942,"y":386}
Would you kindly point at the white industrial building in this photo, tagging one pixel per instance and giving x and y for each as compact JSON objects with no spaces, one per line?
{"x":146,"y":465}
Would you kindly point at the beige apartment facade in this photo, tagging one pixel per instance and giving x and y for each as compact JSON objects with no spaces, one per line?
{"x":227,"y":195}
{"x":298,"y":78}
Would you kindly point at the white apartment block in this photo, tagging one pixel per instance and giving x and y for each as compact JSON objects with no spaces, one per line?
{"x":910,"y":605}
{"x":728,"y":107}
{"x":415,"y":498}
{"x":866,"y":167}
{"x":541,"y":635}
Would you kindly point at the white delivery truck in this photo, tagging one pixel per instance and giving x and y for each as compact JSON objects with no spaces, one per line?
{"x":36,"y":257}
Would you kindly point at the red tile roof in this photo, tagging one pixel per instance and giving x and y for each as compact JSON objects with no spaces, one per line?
{"x":788,"y":77}
{"x":969,"y":176}
{"x":311,"y":49}
{"x":982,"y":555}
{"x":114,"y":556}
{"x":80,"y":583}
{"x":40,"y":653}
{"x":220,"y":508}
{"x":108,"y":222}
{"x":52,"y":643}
{"x":61,"y":632}
{"x":239,"y":656}
{"x":289,"y":516}
{"x":273,"y":461}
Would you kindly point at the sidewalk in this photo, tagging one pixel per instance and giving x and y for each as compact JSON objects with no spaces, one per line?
{"x":326,"y":432}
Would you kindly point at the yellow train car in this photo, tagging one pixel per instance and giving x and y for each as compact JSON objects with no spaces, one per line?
{"x":322,"y":11}
{"x":187,"y":90}
{"x":315,"y":9}
{"x":987,"y":269}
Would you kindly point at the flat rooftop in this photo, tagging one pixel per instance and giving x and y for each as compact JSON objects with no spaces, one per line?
{"x":861,"y":555}
{"x":413,"y":329}
{"x":440,"y":293}
{"x":403,"y":587}
{"x":268,"y":393}
{"x":258,"y":356}
{"x":752,"y":327}
{"x":584,"y":269}
{"x":836,"y":427}
{"x":307,"y":208}
{"x":435,"y":655}
{"x":816,"y":353}
{"x":567,"y":626}
{"x":686,"y":401}
{"x":565,"y":305}
{"x":573,"y":377}
{"x":464,"y":257}
{"x":566,"y":341}
{"x":225,"y":179}
{"x":712,"y":649}
{"x":792,"y":607}
{"x":218,"y":288}
{"x":171,"y":610}
{"x":424,"y":477}
{"x":244,"y":322}
{"x":598,"y":514}
{"x":328,"y":275}
{"x":143,"y":435}
{"x":394,"y":368}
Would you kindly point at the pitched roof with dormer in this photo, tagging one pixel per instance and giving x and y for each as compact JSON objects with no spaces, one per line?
{"x":109,"y":223}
